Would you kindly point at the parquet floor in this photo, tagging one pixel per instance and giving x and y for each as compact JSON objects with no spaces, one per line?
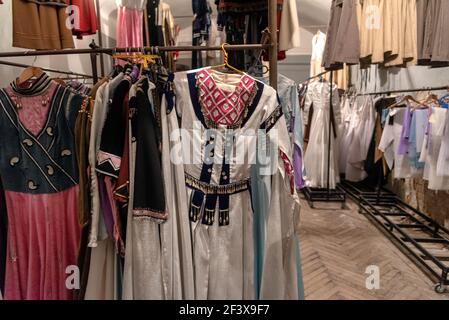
{"x":336,"y":248}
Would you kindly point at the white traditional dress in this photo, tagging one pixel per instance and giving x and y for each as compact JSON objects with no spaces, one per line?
{"x":210,"y":234}
{"x":316,"y":159}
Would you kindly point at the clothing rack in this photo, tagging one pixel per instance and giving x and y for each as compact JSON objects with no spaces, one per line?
{"x":272,"y":47}
{"x":111,"y":51}
{"x":398,"y":219}
{"x":403,"y":91}
{"x":70,"y":73}
{"x":326,"y":194}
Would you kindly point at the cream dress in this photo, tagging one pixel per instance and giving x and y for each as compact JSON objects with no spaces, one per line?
{"x":316,"y":155}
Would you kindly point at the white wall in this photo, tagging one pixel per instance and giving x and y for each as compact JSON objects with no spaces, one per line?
{"x":313,"y":16}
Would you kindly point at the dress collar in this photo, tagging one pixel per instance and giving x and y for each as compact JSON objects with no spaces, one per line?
{"x":37,"y":87}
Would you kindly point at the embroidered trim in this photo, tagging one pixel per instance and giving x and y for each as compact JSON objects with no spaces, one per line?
{"x":209,"y":189}
{"x":214,"y":111}
{"x":113,"y":160}
{"x":153,"y":215}
{"x":272,"y":119}
{"x":289,"y":170}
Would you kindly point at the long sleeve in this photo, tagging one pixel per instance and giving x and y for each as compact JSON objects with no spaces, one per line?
{"x":280,"y":277}
{"x":177,"y":260}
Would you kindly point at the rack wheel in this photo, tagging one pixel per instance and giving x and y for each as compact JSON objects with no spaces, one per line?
{"x":440,"y":288}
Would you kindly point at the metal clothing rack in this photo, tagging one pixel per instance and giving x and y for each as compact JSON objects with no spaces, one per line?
{"x":420,"y":237}
{"x":69,"y":73}
{"x":423,"y":239}
{"x":327,"y":194}
{"x":404,"y":91}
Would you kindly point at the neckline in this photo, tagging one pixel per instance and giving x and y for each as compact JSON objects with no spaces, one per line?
{"x":228,"y":94}
{"x":221,"y":107}
{"x":38,"y":87}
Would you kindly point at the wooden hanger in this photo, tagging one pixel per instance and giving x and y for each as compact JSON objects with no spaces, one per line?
{"x":28,"y":74}
{"x":431,"y":98}
{"x":407,"y":98}
{"x":225,"y":63}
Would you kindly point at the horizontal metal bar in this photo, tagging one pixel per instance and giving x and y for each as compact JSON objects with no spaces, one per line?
{"x":441,"y":258}
{"x":131,"y":50}
{"x":404,"y":91}
{"x":412,"y":226}
{"x":426,"y":240}
{"x":20,"y":65}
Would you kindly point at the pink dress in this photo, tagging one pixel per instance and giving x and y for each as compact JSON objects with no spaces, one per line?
{"x":38,"y":168}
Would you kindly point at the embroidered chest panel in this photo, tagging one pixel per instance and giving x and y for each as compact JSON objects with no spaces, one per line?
{"x":221,"y":107}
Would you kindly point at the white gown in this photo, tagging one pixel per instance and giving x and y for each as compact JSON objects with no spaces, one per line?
{"x":217,"y":261}
{"x":316,"y":155}
{"x":361,"y":132}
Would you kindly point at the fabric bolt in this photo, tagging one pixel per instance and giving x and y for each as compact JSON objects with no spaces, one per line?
{"x":40,"y":26}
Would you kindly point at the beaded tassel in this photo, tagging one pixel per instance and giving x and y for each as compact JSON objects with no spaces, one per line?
{"x":223,"y":218}
{"x":208,"y":217}
{"x":194,"y":213}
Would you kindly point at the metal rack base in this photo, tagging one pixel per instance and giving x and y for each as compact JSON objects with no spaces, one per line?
{"x":313,"y":195}
{"x":424,"y":240}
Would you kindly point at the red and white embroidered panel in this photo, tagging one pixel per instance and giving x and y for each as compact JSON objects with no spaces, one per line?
{"x":221,"y":106}
{"x":289,"y":170}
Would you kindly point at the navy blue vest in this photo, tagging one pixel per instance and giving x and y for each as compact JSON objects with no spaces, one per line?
{"x":45,"y":163}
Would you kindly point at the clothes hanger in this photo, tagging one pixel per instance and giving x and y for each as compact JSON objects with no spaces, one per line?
{"x":408,"y":99}
{"x":226,"y":62}
{"x":29,"y":73}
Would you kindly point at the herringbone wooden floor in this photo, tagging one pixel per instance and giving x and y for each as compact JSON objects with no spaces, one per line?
{"x":336,"y":248}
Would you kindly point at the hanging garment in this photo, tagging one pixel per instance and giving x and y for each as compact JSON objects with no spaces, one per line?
{"x":340,"y":77}
{"x":316,"y":154}
{"x":440,"y":49}
{"x":217,"y":199}
{"x":3,"y":239}
{"x":443,"y":157}
{"x":390,"y":142}
{"x":130,"y":23}
{"x":143,"y":275}
{"x":40,"y":176}
{"x":40,"y":26}
{"x":343,"y":41}
{"x":87,"y":18}
{"x":406,"y":24}
{"x":431,"y":149}
{"x":289,"y":32}
{"x":361,"y":130}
